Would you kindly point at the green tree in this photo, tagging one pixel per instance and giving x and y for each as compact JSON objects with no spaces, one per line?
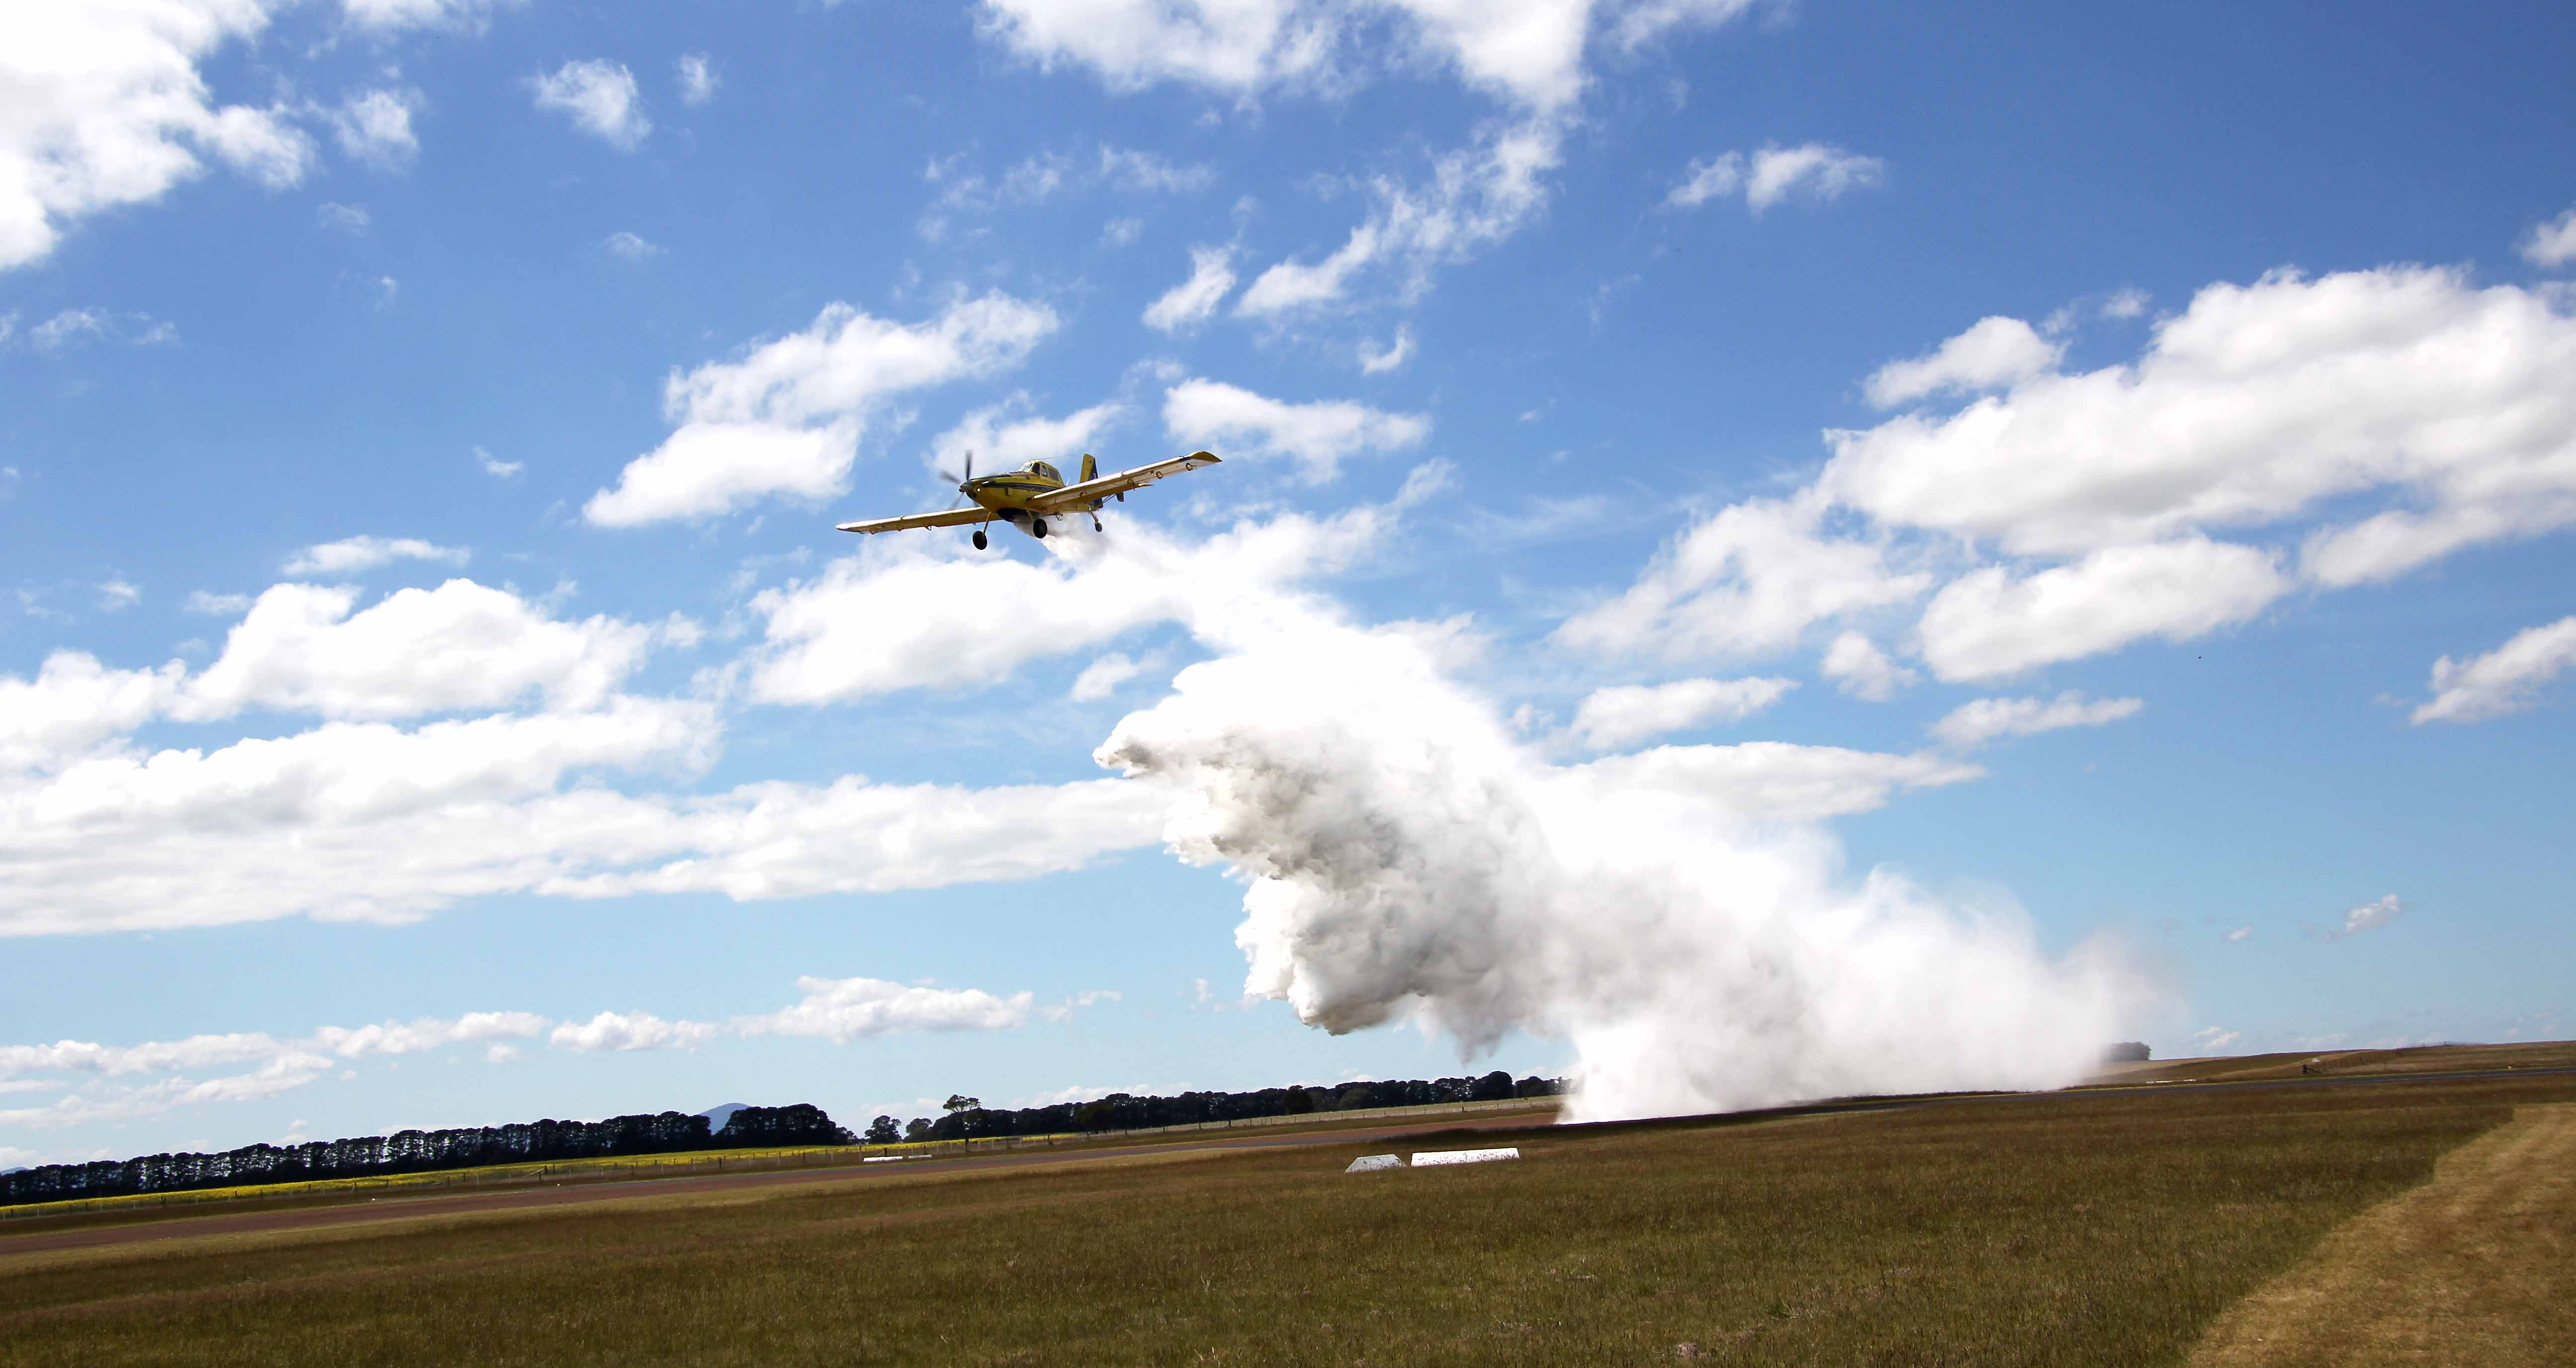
{"x":885,"y":1130}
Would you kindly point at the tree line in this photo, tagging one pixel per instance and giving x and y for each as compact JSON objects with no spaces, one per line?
{"x":418,"y":1151}
{"x":969,"y":1119}
{"x":963,"y":1118}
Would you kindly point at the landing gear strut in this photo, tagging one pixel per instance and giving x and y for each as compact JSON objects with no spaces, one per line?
{"x":980,"y":542}
{"x":1095,"y":524}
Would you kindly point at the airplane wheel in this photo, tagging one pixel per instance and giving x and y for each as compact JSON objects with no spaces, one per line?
{"x":980,"y":542}
{"x":1037,"y":528}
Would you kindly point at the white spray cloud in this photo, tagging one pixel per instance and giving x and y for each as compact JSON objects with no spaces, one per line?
{"x":1408,"y":859}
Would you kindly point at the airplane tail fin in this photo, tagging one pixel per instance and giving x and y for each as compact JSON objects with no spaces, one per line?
{"x":1090,"y":467}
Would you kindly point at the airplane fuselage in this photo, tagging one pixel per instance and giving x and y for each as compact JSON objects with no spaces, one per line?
{"x":1011,"y":491}
{"x":1028,"y":497}
{"x":1009,"y":494}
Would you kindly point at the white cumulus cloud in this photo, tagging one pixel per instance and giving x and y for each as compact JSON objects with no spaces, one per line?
{"x":353,"y":555}
{"x":907,"y":615}
{"x":460,"y":646}
{"x":843,"y":1010}
{"x":782,"y":840}
{"x":630,"y":1031}
{"x":106,"y":106}
{"x":1524,"y":53}
{"x":385,"y":18}
{"x":1318,"y":435}
{"x":1747,"y":581}
{"x":1620,"y":716}
{"x":428,"y":1033}
{"x":1474,"y":197}
{"x":1642,"y":21}
{"x":1996,"y":352}
{"x":698,"y":79}
{"x":374,"y":126}
{"x":2551,"y":244}
{"x":1003,"y":439}
{"x":2505,"y":680}
{"x":72,"y":703}
{"x":601,"y":98}
{"x":2404,"y":387}
{"x":1991,"y":623}
{"x":1527,"y":55}
{"x":787,"y":417}
{"x":2331,"y":431}
{"x":1814,"y":171}
{"x":1860,"y":669}
{"x":2370,"y":916}
{"x":1377,"y":361}
{"x":1973,"y":724}
{"x":1194,"y":300}
{"x":1102,"y":677}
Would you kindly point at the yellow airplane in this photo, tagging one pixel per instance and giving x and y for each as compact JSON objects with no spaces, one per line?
{"x":1028,"y":496}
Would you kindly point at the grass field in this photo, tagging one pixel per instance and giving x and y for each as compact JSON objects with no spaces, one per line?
{"x":2473,"y":1267}
{"x":2551,"y":1054}
{"x":153,"y":1205}
{"x":630,"y":1168}
{"x":2074,"y":1229}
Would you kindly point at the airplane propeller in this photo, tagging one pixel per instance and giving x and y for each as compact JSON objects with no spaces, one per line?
{"x":961,"y":481}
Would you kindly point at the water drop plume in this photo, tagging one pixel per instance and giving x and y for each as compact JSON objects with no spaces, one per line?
{"x":1408,"y":857}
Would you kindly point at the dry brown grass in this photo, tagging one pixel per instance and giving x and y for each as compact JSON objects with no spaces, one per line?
{"x":2473,"y":1267}
{"x":2092,"y":1228}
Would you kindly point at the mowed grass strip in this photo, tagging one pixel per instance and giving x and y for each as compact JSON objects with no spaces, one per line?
{"x":2106,"y":1228}
{"x":2472,"y":1267}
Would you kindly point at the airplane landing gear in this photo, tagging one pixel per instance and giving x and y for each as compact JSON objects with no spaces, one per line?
{"x":1095,"y":524}
{"x":1037,"y":528}
{"x":980,"y":542}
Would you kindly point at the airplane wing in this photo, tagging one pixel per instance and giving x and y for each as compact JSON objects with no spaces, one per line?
{"x":1076,"y":495}
{"x":955,"y":517}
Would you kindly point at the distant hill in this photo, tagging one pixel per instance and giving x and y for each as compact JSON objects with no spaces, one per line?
{"x":717,"y":1116}
{"x":7,"y":1171}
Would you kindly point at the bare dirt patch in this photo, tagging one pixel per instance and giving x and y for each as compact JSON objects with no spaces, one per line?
{"x":2472,"y":1267}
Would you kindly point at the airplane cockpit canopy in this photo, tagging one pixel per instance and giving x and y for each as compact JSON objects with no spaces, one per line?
{"x":1042,"y":468}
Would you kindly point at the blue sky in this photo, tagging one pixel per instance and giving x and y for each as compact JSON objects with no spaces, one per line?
{"x":1949,"y":500}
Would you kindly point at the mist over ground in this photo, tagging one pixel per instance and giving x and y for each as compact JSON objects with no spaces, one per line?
{"x":1408,"y":857}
